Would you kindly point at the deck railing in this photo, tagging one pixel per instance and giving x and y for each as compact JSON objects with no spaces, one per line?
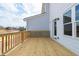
{"x":10,"y":40}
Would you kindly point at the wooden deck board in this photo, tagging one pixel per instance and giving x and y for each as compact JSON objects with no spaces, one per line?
{"x":40,"y":47}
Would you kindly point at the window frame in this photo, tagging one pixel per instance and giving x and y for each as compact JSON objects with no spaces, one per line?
{"x":67,"y":22}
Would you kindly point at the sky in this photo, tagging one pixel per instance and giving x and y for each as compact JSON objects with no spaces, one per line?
{"x":12,"y":14}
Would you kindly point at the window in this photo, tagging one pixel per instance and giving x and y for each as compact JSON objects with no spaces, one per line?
{"x":77,"y":12}
{"x":67,"y":17}
{"x":67,"y":23}
{"x":77,"y":29}
{"x":68,"y":29}
{"x":77,"y":20}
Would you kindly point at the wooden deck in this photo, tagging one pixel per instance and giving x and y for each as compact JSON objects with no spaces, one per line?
{"x":40,"y":47}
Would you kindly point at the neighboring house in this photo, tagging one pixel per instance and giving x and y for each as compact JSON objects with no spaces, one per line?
{"x":39,"y":24}
{"x":62,"y":20}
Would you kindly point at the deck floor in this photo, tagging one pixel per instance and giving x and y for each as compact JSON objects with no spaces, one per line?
{"x":40,"y":47}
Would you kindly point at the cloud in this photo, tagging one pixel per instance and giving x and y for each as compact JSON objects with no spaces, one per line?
{"x":32,"y":8}
{"x":12,"y":14}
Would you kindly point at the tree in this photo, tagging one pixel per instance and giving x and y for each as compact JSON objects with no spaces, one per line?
{"x":22,"y":28}
{"x":1,"y":27}
{"x":8,"y":28}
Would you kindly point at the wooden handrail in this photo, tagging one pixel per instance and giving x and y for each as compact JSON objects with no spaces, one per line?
{"x":11,"y":40}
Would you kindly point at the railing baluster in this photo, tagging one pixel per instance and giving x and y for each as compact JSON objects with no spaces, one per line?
{"x":2,"y":44}
{"x":11,"y":40}
{"x":15,"y":39}
{"x":6,"y":43}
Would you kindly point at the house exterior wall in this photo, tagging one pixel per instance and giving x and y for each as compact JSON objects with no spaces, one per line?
{"x":57,"y":11}
{"x":38,"y":24}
